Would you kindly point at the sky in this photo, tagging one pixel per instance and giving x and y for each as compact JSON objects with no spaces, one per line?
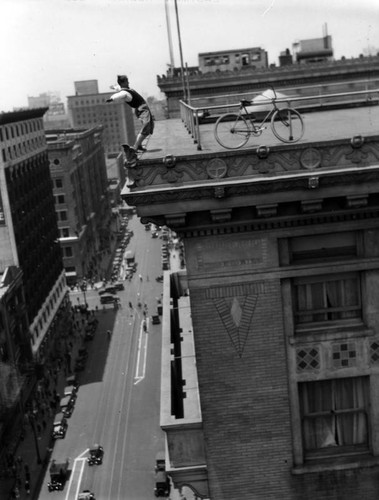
{"x":46,"y":45}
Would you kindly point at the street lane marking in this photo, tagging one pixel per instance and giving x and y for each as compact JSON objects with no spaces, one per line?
{"x":141,"y":355}
{"x":77,"y":473}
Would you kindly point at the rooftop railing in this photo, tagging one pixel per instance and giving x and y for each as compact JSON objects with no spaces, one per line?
{"x":192,"y":115}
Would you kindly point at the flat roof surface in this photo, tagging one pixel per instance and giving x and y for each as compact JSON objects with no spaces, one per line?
{"x":172,"y":138}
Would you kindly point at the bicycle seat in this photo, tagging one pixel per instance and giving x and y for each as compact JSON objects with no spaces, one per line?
{"x":245,"y":102}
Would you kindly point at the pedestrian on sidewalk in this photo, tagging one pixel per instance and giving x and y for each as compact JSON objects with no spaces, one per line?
{"x":27,"y":487}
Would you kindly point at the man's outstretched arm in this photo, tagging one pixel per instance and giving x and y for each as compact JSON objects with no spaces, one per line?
{"x":118,"y":96}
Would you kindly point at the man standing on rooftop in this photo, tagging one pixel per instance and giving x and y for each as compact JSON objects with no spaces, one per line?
{"x":141,"y":109}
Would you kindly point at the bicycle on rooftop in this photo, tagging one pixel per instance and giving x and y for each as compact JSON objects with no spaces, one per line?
{"x":233,"y":130}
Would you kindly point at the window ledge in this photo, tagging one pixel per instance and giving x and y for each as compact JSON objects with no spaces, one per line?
{"x":356,"y":462}
{"x":337,"y":333}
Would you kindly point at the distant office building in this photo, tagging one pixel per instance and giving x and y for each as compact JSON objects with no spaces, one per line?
{"x":28,"y":225}
{"x":87,"y":110}
{"x":313,"y":50}
{"x":285,"y":58}
{"x":78,"y":171}
{"x":56,"y":116}
{"x":85,"y":87}
{"x":233,"y":60}
{"x":116,"y":178}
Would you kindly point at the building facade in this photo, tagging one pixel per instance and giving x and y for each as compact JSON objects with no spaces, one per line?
{"x":233,"y":60}
{"x":282,"y":255}
{"x":88,"y":108}
{"x":29,"y":233}
{"x":313,"y":50}
{"x":80,"y":189}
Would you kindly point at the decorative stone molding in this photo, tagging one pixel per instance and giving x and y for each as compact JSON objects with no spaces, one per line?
{"x":175,"y":220}
{"x":267,"y":210}
{"x":310,"y":158}
{"x":310,"y":206}
{"x":219,"y":192}
{"x":222,"y":215}
{"x":308,"y":359}
{"x":263,"y":152}
{"x":357,"y":141}
{"x":216,"y":168}
{"x":313,"y":182}
{"x":357,"y":201}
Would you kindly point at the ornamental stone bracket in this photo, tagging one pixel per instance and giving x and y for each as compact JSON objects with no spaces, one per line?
{"x":267,"y":210}
{"x":310,"y":206}
{"x":176,"y":220}
{"x":222,"y":215}
{"x":357,"y":201}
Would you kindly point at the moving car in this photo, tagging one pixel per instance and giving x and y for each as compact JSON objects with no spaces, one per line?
{"x":96,"y":454}
{"x":107,"y":299}
{"x":86,"y":495}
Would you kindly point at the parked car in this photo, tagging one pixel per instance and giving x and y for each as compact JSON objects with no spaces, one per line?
{"x":60,"y":426}
{"x":58,"y":475}
{"x":155,"y":320}
{"x":119,"y":285}
{"x":107,"y":299}
{"x":107,"y":289}
{"x":71,"y":391}
{"x":72,"y":381}
{"x":162,"y":481}
{"x":67,"y":404}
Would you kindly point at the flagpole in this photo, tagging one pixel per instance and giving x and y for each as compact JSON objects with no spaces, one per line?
{"x":172,"y":63}
{"x":180,"y":51}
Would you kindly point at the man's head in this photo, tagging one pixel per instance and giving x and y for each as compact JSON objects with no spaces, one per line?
{"x":123,"y":81}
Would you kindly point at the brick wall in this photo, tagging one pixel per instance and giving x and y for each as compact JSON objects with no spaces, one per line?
{"x":243,"y":379}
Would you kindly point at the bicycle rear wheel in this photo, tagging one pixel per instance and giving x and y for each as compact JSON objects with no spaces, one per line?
{"x":287,"y":125}
{"x":232,"y":131}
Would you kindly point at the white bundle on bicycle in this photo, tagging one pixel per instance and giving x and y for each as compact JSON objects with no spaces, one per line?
{"x":263,"y":101}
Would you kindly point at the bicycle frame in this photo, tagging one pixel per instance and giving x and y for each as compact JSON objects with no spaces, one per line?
{"x":257,"y":127}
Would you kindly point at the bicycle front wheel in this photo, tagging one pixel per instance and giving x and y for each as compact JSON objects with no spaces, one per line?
{"x":287,"y":125}
{"x":232,"y":131}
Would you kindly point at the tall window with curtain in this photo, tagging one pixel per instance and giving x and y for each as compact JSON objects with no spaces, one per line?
{"x":334,"y":416}
{"x":327,"y":299}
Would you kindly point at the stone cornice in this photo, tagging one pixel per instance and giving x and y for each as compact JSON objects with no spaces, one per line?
{"x":212,"y":190}
{"x":255,"y":163}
